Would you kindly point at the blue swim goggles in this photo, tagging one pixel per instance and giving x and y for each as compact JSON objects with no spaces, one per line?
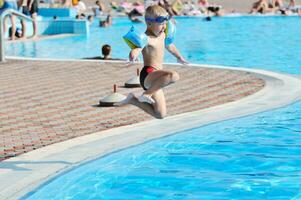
{"x":158,"y":19}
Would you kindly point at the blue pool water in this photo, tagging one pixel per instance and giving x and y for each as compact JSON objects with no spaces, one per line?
{"x":271,"y":43}
{"x":256,"y":157}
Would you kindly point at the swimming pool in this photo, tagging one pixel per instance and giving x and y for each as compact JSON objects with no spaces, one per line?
{"x":256,"y":157}
{"x":270,"y":43}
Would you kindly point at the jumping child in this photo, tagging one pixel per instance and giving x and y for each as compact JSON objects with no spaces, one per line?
{"x":153,"y":78}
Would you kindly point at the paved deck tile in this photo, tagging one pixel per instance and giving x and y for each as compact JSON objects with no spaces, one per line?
{"x":44,"y":102}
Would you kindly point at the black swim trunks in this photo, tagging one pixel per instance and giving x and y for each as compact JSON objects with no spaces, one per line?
{"x":143,"y":74}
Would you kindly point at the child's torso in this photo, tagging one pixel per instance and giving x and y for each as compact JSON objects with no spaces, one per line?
{"x":153,"y":53}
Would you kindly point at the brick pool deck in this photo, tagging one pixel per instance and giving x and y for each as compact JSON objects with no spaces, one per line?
{"x":45,"y":102}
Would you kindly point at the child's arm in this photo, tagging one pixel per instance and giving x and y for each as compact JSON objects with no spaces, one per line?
{"x":174,"y":51}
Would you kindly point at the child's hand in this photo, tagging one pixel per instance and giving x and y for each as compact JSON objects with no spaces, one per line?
{"x":133,"y":56}
{"x":182,"y":61}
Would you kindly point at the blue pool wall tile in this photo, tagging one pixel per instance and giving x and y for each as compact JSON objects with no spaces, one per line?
{"x":81,"y":27}
{"x":59,"y":12}
{"x":53,"y":27}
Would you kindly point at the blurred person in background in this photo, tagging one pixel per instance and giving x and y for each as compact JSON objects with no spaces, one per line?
{"x":99,"y":8}
{"x":260,"y":6}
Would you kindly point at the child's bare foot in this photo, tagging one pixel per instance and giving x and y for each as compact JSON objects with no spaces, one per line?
{"x":146,"y":98}
{"x":33,"y":37}
{"x":125,"y":101}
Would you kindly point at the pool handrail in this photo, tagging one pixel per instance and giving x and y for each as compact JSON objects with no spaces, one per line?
{"x":7,"y":12}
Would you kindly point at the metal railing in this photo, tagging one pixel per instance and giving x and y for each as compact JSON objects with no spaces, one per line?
{"x":2,"y":41}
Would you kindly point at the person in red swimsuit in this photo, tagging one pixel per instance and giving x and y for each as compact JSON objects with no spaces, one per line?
{"x":153,"y":78}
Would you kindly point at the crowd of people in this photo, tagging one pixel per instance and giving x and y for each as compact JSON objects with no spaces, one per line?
{"x":175,"y":7}
{"x":275,"y":7}
{"x":193,"y":7}
{"x":134,"y":10}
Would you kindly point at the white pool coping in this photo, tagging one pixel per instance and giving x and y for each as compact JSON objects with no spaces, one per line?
{"x":24,"y":173}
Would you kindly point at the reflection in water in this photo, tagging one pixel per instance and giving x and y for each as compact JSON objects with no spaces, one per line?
{"x":26,"y":49}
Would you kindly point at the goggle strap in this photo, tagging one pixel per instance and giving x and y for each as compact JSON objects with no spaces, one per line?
{"x":158,"y":19}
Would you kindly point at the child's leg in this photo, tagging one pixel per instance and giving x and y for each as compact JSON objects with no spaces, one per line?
{"x":159,"y":79}
{"x":157,"y":110}
{"x":160,"y":104}
{"x":154,"y":82}
{"x":23,"y":24}
{"x":6,"y":18}
{"x":13,"y":27}
{"x":35,"y":24}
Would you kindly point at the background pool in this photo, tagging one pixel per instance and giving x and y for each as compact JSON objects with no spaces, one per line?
{"x":256,"y":157}
{"x":271,"y":43}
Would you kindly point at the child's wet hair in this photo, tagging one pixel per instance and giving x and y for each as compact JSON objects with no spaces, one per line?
{"x":155,"y":11}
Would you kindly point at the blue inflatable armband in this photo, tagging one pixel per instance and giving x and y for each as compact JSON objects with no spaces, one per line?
{"x":135,"y":38}
{"x":170,"y":32}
